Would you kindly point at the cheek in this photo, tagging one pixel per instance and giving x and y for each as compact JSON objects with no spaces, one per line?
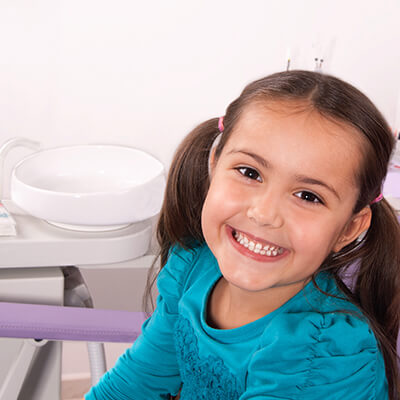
{"x":209,"y":214}
{"x":314,"y":236}
{"x":222,"y":202}
{"x":205,"y":217}
{"x":222,"y":198}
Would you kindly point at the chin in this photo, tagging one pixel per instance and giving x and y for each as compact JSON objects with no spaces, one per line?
{"x":250,"y":286}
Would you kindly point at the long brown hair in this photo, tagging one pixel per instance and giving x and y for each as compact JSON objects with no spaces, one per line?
{"x":377,"y":287}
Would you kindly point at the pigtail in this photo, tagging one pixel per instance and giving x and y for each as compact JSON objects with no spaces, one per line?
{"x":377,"y":288}
{"x":187,"y":185}
{"x":380,"y":268}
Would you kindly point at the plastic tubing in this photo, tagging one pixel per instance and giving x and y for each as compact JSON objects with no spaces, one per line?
{"x":97,"y":360}
{"x":77,"y":294}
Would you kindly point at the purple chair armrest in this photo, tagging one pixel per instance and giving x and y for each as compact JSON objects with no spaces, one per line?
{"x":69,"y":323}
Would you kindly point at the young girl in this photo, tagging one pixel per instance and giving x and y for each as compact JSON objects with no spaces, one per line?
{"x":264,"y":211}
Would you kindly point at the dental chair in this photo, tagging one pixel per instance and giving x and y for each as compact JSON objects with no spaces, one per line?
{"x":38,"y":324}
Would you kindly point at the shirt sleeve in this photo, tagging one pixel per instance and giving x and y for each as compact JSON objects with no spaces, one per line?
{"x":149,"y":369}
{"x":317,"y":356}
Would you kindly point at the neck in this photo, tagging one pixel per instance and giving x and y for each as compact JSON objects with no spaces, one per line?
{"x":231,"y":307}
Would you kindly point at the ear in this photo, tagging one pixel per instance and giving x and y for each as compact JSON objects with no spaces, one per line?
{"x":358,"y":224}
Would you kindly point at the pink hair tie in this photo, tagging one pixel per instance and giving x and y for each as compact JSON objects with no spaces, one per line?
{"x":221,"y":124}
{"x":378,"y":199}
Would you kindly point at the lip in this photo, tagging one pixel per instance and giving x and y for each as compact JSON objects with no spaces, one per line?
{"x":248,"y":253}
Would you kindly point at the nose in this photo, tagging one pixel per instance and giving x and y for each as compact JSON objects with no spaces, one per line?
{"x":265,"y":210}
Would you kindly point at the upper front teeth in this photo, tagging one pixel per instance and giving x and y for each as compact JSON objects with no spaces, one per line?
{"x":256,"y":247}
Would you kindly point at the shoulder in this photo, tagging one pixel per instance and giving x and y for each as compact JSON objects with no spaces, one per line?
{"x":341,"y":332}
{"x":181,"y":267}
{"x":318,"y":353}
{"x":322,"y":315}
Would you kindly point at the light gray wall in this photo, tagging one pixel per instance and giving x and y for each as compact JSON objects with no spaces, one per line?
{"x":120,"y":286}
{"x":144,"y":73}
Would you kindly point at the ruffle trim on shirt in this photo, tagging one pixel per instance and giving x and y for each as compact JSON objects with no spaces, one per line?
{"x":204,"y":378}
{"x":314,"y":356}
{"x":172,"y":277}
{"x":343,"y":336}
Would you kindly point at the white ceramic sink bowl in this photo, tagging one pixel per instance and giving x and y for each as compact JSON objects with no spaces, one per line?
{"x":89,"y":187}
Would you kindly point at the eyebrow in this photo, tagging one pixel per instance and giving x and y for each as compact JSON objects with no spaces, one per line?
{"x":256,"y":157}
{"x":312,"y":181}
{"x":298,"y":177}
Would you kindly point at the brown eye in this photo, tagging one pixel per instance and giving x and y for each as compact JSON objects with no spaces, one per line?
{"x":309,"y":197}
{"x":249,"y":173}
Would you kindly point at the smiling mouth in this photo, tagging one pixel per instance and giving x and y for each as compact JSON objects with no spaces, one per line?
{"x":257,"y":247}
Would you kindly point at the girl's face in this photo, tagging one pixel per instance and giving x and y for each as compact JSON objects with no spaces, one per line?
{"x":281,"y":197}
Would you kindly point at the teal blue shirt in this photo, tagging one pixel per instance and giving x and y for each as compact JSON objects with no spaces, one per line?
{"x":305,"y":349}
